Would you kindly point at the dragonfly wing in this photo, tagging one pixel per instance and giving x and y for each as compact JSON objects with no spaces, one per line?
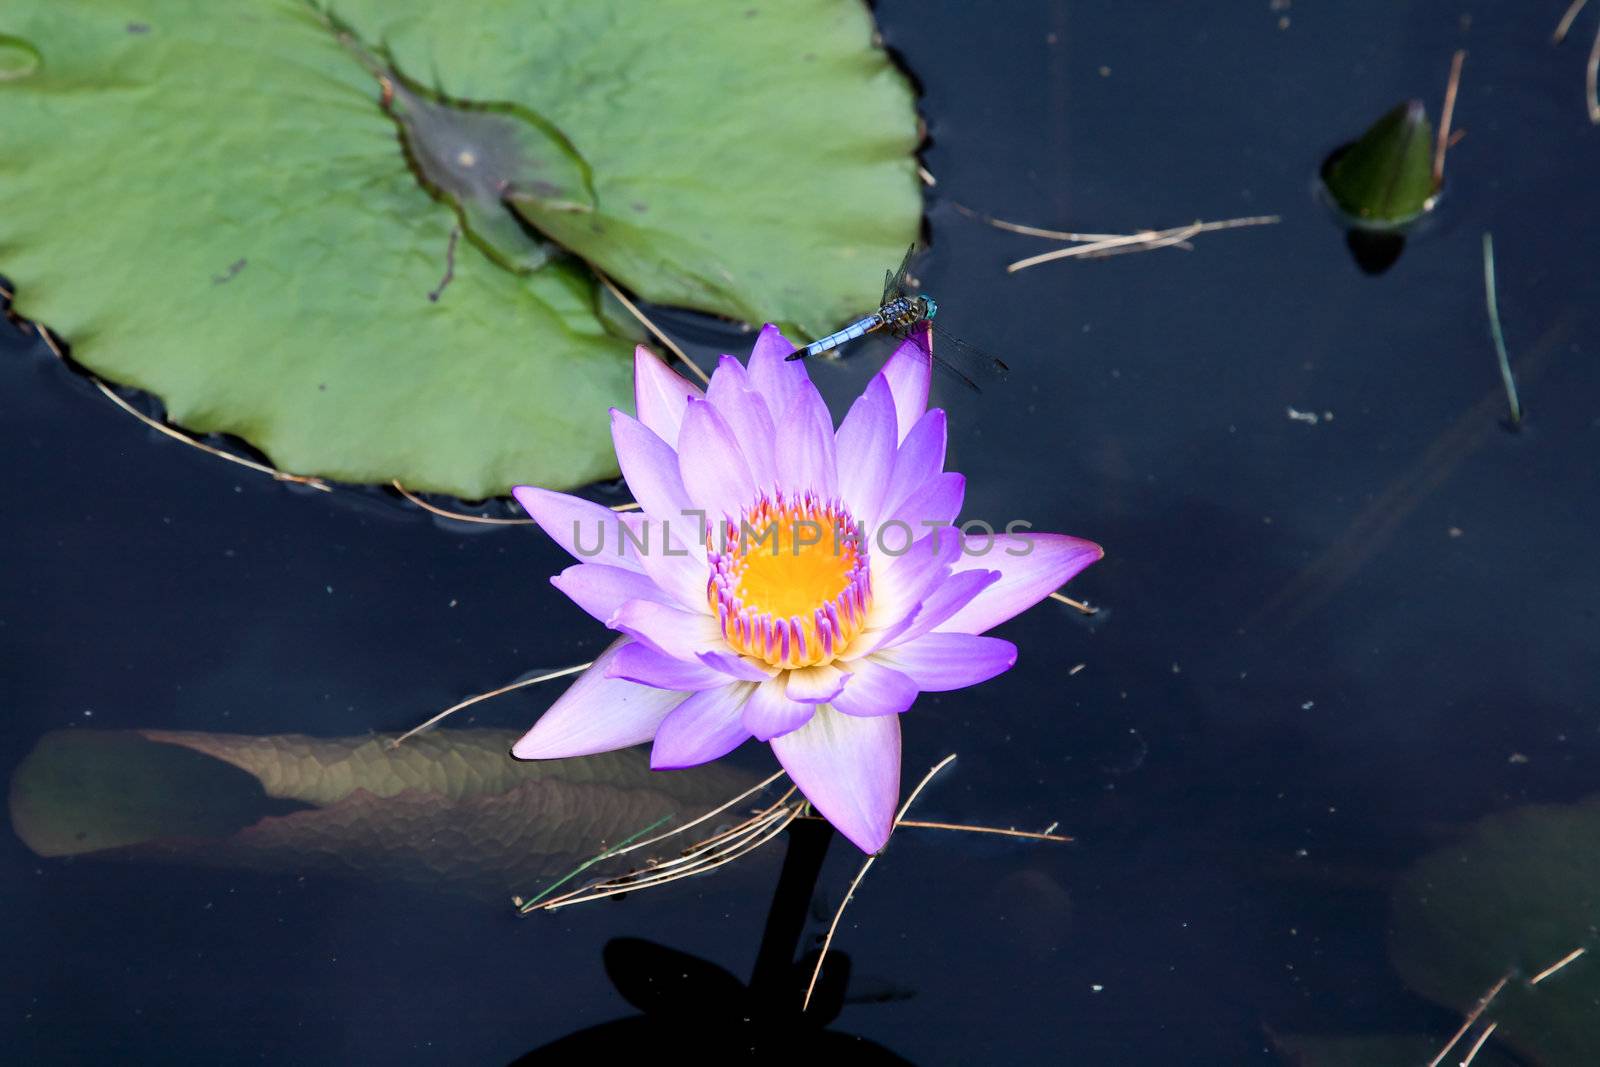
{"x":974,"y":361}
{"x":894,"y":281}
{"x":920,"y":339}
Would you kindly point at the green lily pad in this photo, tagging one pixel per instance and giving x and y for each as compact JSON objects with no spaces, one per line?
{"x":448,"y":809}
{"x":1386,"y":177}
{"x":244,"y":210}
{"x":1517,"y":894}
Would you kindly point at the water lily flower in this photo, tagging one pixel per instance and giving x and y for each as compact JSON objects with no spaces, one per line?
{"x":784,"y":580}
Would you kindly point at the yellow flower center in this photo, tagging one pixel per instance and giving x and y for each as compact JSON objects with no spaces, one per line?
{"x":789,"y":582}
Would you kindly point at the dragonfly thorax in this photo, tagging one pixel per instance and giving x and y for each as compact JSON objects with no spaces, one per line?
{"x":904,"y":312}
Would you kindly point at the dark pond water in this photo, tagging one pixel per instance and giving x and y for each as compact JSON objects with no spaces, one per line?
{"x":1326,"y":649}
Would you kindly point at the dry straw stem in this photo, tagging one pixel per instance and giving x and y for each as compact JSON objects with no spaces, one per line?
{"x":969,"y":828}
{"x":1472,"y":1017}
{"x":1591,"y":78}
{"x":1443,"y":143}
{"x":1030,"y":835}
{"x":1592,"y":68}
{"x":467,"y":703}
{"x":713,"y":813}
{"x":1033,"y":231}
{"x":739,"y":840}
{"x":1087,"y":609}
{"x":1566,"y":21}
{"x":647,"y":324}
{"x":730,"y":844}
{"x":459,"y":516}
{"x":1143,"y":241}
{"x":827,"y":942}
{"x":177,"y":435}
{"x":1488,"y":998}
{"x":482,"y":520}
{"x":1488,"y":1031}
{"x":1557,"y":965}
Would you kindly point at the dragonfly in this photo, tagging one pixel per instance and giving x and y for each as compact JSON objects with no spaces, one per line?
{"x":899,"y":312}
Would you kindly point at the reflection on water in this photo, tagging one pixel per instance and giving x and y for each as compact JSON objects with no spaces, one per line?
{"x":446,"y":809}
{"x":689,"y":1003}
{"x":1330,"y":650}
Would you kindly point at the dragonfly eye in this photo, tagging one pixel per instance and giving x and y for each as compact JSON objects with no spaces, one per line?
{"x":930,"y":307}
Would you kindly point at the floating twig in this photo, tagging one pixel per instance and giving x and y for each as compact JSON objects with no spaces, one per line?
{"x":1033,"y":231}
{"x":1031,"y":835}
{"x":714,"y":812}
{"x":467,"y":703}
{"x":1048,"y":834}
{"x":1472,"y":1017}
{"x":529,"y":905}
{"x":1143,"y":241}
{"x":174,"y":433}
{"x":833,"y":927}
{"x":1446,"y":114}
{"x":1087,"y":609}
{"x":707,"y":855}
{"x":1557,"y":965}
{"x":485,"y":520}
{"x":1566,"y":21}
{"x":1591,"y":78}
{"x":652,"y":327}
{"x":459,"y":516}
{"x":1495,"y":331}
{"x":1488,"y":1031}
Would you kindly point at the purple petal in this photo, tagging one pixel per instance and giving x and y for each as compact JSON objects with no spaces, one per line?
{"x":849,"y":768}
{"x":597,"y":714}
{"x":920,"y":458}
{"x":747,"y":416}
{"x":948,"y":598}
{"x":866,"y":444}
{"x":713,"y":465}
{"x":938,"y":501}
{"x":770,"y":713}
{"x":734,"y":665}
{"x":908,"y":370}
{"x":680,"y":634}
{"x":677,"y":570}
{"x":875,"y":689}
{"x":805,"y":455}
{"x":601,"y":590}
{"x":704,"y":727}
{"x":815,"y":685}
{"x":1046,"y":563}
{"x":774,"y":376}
{"x":650,"y":466}
{"x":640,"y":663}
{"x":589,"y":532}
{"x":940,"y":662}
{"x":660,"y":394}
{"x":673,"y":552}
{"x":902,"y":582}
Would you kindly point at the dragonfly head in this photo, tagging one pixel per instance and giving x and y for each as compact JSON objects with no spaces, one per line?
{"x":929,"y":306}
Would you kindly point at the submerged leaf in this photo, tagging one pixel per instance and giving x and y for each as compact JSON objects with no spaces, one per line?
{"x":228,"y":209}
{"x":1387,"y":175}
{"x":1383,"y":1050}
{"x":448,"y":808}
{"x":1519,"y":893}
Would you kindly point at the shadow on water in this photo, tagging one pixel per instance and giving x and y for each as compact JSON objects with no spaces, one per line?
{"x":690,"y":1004}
